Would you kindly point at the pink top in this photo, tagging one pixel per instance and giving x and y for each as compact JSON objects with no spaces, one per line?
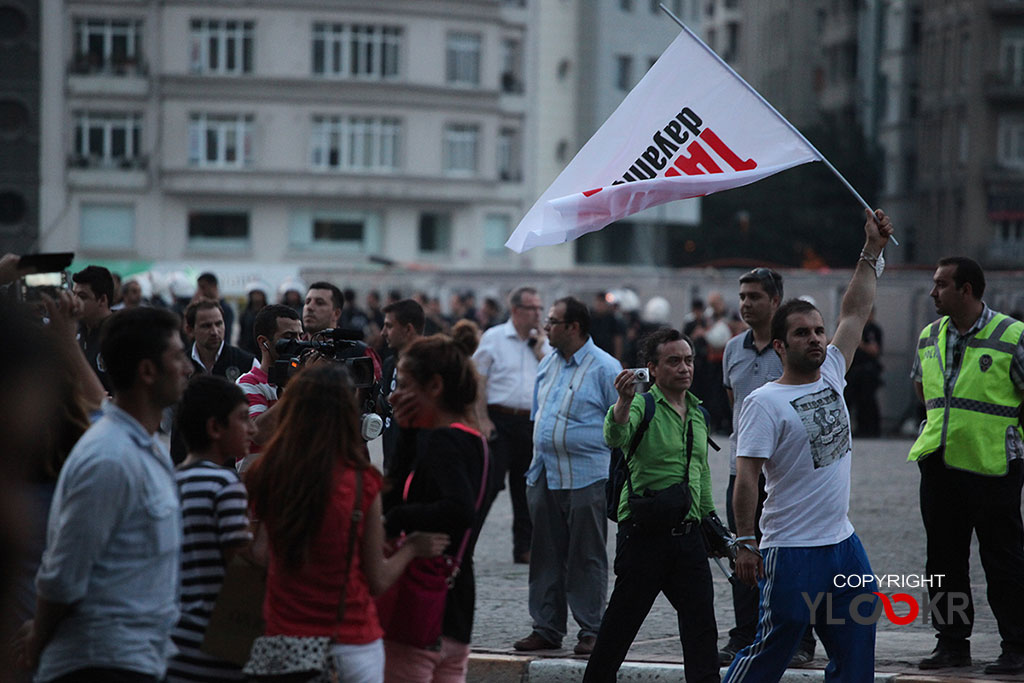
{"x":305,"y":603}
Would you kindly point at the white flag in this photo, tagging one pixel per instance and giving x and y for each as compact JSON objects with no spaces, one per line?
{"x":689,"y":128}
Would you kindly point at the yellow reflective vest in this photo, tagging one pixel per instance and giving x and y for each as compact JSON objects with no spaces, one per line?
{"x":971,"y":422}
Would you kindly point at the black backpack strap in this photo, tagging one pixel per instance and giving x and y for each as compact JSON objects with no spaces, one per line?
{"x":707,"y":422}
{"x":638,"y":435}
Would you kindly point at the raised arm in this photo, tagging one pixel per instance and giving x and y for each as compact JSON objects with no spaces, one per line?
{"x":860,"y":294}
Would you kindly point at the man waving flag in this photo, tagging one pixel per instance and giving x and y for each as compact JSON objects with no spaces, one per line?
{"x":691,"y":127}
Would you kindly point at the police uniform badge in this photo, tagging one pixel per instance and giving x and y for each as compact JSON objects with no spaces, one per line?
{"x":985,"y":362}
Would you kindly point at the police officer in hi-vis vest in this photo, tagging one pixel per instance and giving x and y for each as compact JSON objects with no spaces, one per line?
{"x":969,"y":371}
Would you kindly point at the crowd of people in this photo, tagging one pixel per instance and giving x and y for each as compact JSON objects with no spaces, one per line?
{"x":266,"y":500}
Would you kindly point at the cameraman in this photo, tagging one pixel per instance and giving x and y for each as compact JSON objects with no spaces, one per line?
{"x":272,"y":323}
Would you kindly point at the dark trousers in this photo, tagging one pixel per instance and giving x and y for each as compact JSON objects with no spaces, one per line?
{"x":511,"y":453}
{"x":746,"y":599}
{"x":105,"y":675}
{"x":955,"y":503}
{"x":647,"y":564}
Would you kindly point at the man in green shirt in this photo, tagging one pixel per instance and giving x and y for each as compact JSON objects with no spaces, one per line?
{"x":655,"y":558}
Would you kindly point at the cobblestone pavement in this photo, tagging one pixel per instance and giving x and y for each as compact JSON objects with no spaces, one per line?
{"x":884,"y":510}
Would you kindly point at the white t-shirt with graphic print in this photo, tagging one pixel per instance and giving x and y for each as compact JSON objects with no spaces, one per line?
{"x":802,"y":431}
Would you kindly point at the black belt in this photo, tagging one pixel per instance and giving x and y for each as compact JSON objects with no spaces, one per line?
{"x":505,"y":410}
{"x":681,"y":529}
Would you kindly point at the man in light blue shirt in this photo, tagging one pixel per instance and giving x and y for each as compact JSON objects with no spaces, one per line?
{"x":565,"y":482}
{"x":107,"y":585}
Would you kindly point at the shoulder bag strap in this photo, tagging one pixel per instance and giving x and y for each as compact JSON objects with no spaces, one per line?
{"x":457,"y":560}
{"x":353,"y":532}
{"x":638,"y":435}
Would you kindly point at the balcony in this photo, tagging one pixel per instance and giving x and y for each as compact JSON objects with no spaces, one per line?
{"x":90,"y":76}
{"x":1004,"y":87}
{"x":98,"y":173}
{"x":1006,"y":7}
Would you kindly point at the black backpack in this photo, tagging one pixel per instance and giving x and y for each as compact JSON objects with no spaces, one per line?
{"x":618,"y":470}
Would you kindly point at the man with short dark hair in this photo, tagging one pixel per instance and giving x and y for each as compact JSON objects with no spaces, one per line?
{"x":107,"y":584}
{"x":750,"y":362}
{"x":664,"y":553}
{"x":213,"y":418}
{"x":322,"y":308}
{"x":211,"y":354}
{"x":565,"y":484}
{"x":94,"y":289}
{"x":507,"y":360}
{"x":207,"y":287}
{"x":797,"y":431}
{"x":969,"y":372}
{"x":403,"y":324}
{"x":273,"y":323}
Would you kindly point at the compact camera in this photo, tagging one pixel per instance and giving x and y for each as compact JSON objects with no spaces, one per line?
{"x":641,"y":374}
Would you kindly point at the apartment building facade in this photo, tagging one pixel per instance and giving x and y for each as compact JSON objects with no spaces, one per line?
{"x":286,"y":131}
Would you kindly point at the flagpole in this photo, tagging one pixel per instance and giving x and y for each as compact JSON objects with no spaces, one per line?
{"x":828,"y":164}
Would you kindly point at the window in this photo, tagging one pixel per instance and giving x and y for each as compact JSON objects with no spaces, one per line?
{"x":511,"y":69}
{"x":1011,"y":57}
{"x":356,"y":51}
{"x":732,"y":41}
{"x":508,"y":154}
{"x":964,"y":142}
{"x":107,"y":46}
{"x":1011,"y":142}
{"x":221,"y":47}
{"x":218,"y":228}
{"x":624,"y":72}
{"x":355,"y":142}
{"x":107,"y":226}
{"x":463,"y":59}
{"x":497,"y":228}
{"x":220,"y":140}
{"x":339,"y":231}
{"x":460,"y":148}
{"x":435,"y":233}
{"x":107,"y":139}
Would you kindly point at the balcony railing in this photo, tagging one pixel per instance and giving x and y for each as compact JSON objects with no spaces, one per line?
{"x":81,"y":161}
{"x":1003,"y":85}
{"x":86,"y":64}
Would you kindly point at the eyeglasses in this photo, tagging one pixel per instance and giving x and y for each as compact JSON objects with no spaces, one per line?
{"x":765,"y":275}
{"x":551,"y":322}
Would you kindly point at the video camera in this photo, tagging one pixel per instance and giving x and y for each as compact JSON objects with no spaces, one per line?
{"x":339,"y":346}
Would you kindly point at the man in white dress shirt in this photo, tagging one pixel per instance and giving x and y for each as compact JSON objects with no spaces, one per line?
{"x":507,"y":361}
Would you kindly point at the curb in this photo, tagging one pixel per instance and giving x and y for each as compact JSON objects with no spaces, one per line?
{"x":508,"y":668}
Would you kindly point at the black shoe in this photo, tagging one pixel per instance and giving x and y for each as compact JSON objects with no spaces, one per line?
{"x":944,"y":658}
{"x":802,"y":657}
{"x":1008,"y":663}
{"x":729,"y":652}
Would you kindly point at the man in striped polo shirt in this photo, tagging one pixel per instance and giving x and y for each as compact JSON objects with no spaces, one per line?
{"x":213,"y":417}
{"x":272,"y":323}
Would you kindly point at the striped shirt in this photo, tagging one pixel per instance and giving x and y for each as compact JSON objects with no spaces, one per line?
{"x":262,"y":395}
{"x":213,"y":507}
{"x":569,"y":402}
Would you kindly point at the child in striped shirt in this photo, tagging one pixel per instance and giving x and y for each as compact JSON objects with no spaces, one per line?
{"x":213,"y":417}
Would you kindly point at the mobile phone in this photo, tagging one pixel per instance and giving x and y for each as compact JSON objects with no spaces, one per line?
{"x":47,"y":263}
